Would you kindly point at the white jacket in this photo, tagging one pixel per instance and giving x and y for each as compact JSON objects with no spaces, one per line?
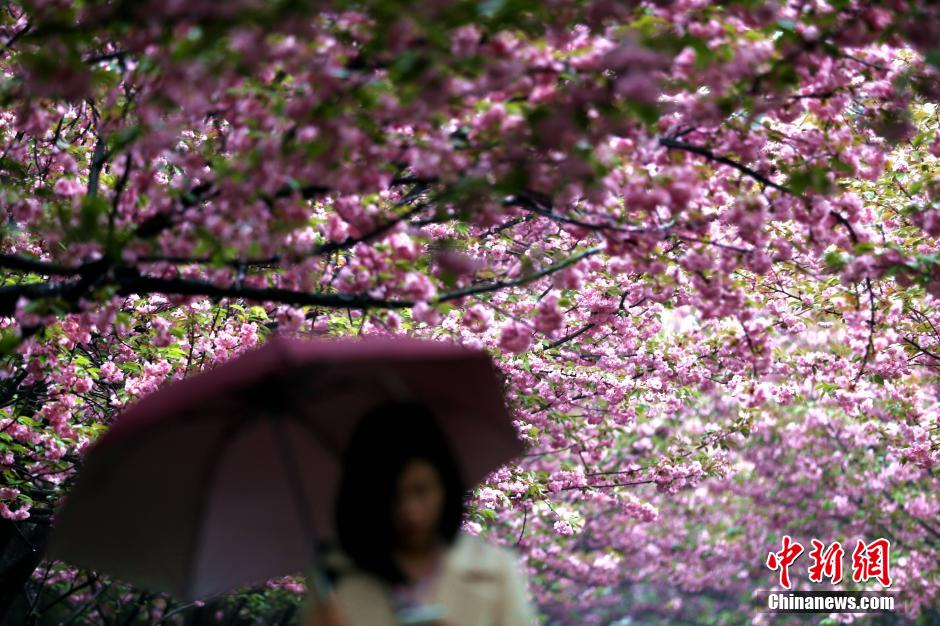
{"x":481,"y":584}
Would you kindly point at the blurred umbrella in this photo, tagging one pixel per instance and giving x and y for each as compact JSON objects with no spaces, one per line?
{"x":228,"y":478}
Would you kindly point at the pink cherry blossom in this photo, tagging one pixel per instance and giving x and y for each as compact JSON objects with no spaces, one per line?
{"x":515,"y":337}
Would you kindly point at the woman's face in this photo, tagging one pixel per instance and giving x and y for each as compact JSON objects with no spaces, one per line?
{"x":418,"y":505}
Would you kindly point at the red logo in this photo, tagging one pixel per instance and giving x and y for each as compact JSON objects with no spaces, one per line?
{"x":783,"y":559}
{"x":826,"y":563}
{"x":868,"y":561}
{"x":871,"y":561}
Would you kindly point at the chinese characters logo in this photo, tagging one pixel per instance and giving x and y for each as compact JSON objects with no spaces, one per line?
{"x":868,"y":561}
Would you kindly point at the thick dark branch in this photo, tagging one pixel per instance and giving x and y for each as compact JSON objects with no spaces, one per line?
{"x":319,"y":249}
{"x":90,"y":275}
{"x":204,"y":191}
{"x":128,"y":280}
{"x":525,"y":516}
{"x":922,"y":350}
{"x":870,"y":346}
{"x":22,"y":263}
{"x":10,"y":294}
{"x":529,"y":203}
{"x":611,"y":485}
{"x":672,"y":144}
{"x":821,"y":95}
{"x":841,"y":219}
{"x":98,"y":159}
{"x":131,"y":283}
{"x":107,"y":56}
{"x":571,"y":336}
{"x":12,"y":40}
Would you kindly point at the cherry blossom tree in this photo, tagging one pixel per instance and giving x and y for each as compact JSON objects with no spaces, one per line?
{"x":700,"y":239}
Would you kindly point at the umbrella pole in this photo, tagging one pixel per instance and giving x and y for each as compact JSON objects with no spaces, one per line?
{"x":315,"y":574}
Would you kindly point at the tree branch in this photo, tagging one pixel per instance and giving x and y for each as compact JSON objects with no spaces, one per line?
{"x":672,"y":144}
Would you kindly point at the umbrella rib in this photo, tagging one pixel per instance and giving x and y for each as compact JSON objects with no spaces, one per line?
{"x":208,"y":472}
{"x":298,"y":495}
{"x":318,"y":435}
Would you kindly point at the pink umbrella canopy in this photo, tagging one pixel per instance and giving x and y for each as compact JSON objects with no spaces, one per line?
{"x":228,"y":478}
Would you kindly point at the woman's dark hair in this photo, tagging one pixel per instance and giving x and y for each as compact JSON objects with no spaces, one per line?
{"x":386,"y":438}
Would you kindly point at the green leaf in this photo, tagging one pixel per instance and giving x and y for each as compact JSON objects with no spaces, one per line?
{"x":646,"y":112}
{"x":408,"y":67}
{"x":449,"y":278}
{"x":92,"y":208}
{"x":12,"y":166}
{"x":813,"y":177}
{"x":933,"y":57}
{"x":841,"y":166}
{"x":9,"y":341}
{"x":490,"y":8}
{"x":703,"y":54}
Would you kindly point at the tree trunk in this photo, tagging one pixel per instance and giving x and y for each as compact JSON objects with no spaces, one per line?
{"x":19,"y":557}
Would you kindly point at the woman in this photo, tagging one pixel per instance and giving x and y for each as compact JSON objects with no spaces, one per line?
{"x":398,"y":515}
